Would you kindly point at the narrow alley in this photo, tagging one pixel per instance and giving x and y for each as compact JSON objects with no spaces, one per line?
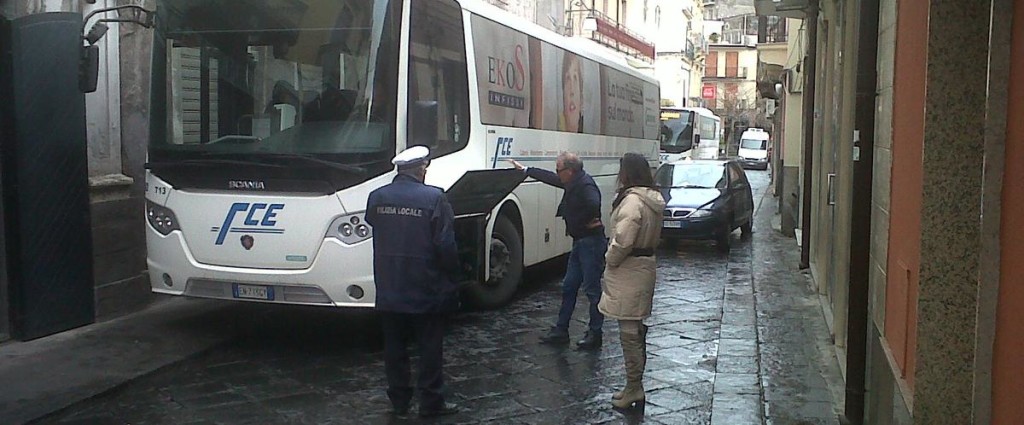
{"x":736,"y":339}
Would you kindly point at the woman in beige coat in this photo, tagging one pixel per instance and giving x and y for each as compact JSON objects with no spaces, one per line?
{"x":629,"y":274}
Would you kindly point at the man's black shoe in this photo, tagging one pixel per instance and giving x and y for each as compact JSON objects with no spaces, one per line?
{"x":592,"y":341}
{"x":446,"y":409}
{"x":555,"y":337}
{"x":400,"y":411}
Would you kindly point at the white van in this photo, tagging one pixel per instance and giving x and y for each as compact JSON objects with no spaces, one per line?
{"x":754,"y":148}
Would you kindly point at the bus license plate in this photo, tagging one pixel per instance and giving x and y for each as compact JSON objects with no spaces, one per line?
{"x":254,"y":292}
{"x":672,"y":224}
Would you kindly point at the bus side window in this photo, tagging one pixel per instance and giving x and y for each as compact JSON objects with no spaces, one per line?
{"x":438,"y":78}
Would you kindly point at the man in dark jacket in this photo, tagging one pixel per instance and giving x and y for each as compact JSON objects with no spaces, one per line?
{"x":581,"y":210}
{"x":414,"y":261}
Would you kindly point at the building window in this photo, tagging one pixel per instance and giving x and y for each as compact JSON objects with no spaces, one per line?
{"x":711,"y":65}
{"x":732,"y":62}
{"x":645,"y":11}
{"x":657,"y":15}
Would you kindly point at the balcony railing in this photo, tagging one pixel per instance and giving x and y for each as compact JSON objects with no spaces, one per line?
{"x":612,"y":34}
{"x":740,"y":72}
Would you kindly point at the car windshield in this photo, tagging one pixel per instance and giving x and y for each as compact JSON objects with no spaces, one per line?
{"x":312,"y":78}
{"x":693,"y":175}
{"x":753,"y":144}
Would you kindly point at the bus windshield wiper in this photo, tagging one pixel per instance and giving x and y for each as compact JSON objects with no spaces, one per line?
{"x":216,"y":162}
{"x":315,"y":160}
{"x":236,"y":137}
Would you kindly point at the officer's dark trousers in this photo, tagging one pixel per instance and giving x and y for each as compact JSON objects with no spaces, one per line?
{"x":428,"y":331}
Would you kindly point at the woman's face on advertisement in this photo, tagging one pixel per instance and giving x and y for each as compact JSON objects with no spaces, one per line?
{"x":572,"y":96}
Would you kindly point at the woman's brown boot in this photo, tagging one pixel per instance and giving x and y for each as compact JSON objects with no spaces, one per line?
{"x":633,"y":357}
{"x":643,"y":362}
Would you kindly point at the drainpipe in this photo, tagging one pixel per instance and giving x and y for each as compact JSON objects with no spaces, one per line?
{"x":860,"y":226}
{"x":810,"y":62}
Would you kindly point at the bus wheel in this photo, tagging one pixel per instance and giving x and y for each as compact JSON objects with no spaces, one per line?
{"x":506,"y":267}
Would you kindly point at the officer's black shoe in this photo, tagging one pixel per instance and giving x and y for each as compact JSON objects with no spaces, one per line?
{"x":555,"y":336}
{"x":592,"y":341}
{"x":446,"y":409}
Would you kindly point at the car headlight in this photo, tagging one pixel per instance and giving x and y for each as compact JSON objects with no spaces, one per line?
{"x":161,"y":218}
{"x":350,"y":229}
{"x":700,"y":213}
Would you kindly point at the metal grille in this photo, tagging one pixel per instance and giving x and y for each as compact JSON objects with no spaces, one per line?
{"x":678,"y":212}
{"x":206,"y":288}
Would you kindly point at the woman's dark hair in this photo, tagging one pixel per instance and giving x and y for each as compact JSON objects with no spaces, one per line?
{"x":634,"y":170}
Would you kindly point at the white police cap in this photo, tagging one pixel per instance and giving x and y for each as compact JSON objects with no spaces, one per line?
{"x":411,"y":156}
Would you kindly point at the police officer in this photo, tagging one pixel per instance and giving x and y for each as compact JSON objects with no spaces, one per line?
{"x":414,"y":261}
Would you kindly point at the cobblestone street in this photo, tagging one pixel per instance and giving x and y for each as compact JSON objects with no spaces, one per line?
{"x":734,"y":339}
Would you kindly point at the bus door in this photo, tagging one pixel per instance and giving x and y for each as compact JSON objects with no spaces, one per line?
{"x":473,"y":197}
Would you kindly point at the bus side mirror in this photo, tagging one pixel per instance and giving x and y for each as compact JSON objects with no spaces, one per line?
{"x":89,"y":62}
{"x":423,"y":123}
{"x":89,"y":68}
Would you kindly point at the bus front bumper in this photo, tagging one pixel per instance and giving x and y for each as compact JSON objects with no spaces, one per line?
{"x":340,"y":276}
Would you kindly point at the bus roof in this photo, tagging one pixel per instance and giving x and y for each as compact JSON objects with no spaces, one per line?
{"x":700,"y":111}
{"x":578,"y":45}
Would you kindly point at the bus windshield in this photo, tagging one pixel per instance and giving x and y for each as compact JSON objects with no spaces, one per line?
{"x":307,"y":78}
{"x":677,"y":133}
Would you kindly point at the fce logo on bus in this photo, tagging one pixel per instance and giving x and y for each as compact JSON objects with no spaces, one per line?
{"x":259,"y":218}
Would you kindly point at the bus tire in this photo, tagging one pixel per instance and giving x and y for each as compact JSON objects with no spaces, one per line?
{"x":506,"y":267}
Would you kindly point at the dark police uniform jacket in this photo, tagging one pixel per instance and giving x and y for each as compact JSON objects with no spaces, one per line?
{"x":581,"y":202}
{"x":414,"y":251}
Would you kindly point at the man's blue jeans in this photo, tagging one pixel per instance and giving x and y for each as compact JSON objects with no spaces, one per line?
{"x":586,"y":264}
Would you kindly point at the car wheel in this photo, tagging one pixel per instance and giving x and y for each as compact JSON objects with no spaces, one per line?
{"x":722,"y":240}
{"x":748,"y":228}
{"x":506,"y":267}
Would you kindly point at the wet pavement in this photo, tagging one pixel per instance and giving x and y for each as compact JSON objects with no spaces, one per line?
{"x":734,"y":339}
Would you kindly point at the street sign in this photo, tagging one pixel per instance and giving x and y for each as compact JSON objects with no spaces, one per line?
{"x":709,"y":92}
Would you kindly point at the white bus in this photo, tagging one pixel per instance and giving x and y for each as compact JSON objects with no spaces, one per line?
{"x":273,"y":121}
{"x":689,"y":133}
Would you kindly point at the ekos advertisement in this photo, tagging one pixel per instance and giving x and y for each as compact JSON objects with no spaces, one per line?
{"x":527,"y":83}
{"x":502,"y":69}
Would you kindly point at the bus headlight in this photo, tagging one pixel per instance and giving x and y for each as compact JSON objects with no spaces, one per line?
{"x":350,"y":229}
{"x":161,"y":218}
{"x":345,"y":230}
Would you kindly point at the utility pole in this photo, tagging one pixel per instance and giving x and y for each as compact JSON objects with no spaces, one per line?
{"x":810,"y":62}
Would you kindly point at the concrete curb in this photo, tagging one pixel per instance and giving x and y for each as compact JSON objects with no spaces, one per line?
{"x":45,"y":376}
